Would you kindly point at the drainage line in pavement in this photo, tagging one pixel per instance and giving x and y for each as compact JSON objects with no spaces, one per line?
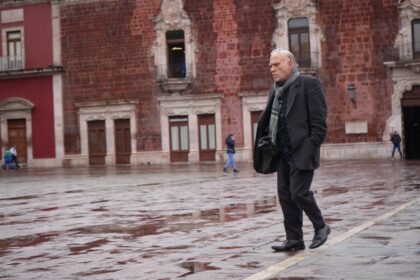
{"x":276,"y":268}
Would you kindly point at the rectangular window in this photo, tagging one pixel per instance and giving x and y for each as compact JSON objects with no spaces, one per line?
{"x":203,"y":137}
{"x":212,"y":136}
{"x":207,"y":136}
{"x":178,"y":128}
{"x":176,"y":54}
{"x":12,"y":50}
{"x":416,"y":38}
{"x":298,"y":29}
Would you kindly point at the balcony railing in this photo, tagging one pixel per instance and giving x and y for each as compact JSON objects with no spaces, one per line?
{"x":174,"y":77}
{"x":173,"y":71}
{"x":402,"y":53}
{"x":8,"y":63}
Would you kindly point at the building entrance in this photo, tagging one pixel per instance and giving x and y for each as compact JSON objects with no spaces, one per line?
{"x":17,"y":137}
{"x":411,"y":123}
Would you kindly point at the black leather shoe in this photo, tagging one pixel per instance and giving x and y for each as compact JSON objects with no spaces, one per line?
{"x":290,"y":245}
{"x":320,"y":236}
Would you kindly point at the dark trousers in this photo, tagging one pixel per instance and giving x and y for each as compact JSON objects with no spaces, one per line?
{"x":395,"y":147}
{"x":295,"y":198}
{"x":15,"y":161}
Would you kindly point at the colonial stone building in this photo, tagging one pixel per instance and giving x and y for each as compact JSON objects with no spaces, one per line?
{"x":158,"y":81}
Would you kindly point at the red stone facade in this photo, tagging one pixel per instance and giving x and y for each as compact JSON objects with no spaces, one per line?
{"x":106,"y":51}
{"x":28,"y":82}
{"x":356,"y":33}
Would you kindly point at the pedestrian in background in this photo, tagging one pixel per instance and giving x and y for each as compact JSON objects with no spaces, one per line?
{"x":7,"y":159}
{"x":396,"y":141}
{"x":230,"y":143}
{"x":289,"y":135}
{"x":13,"y":152}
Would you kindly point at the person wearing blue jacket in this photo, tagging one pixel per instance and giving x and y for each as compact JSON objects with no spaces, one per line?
{"x":230,"y":142}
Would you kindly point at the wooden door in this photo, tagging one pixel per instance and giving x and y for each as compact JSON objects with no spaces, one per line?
{"x":17,"y":137}
{"x":97,"y":142}
{"x":122,"y":141}
{"x":207,"y":137}
{"x":178,"y":131}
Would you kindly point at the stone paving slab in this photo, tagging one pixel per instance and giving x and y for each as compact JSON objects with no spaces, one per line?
{"x":387,"y":250}
{"x":165,"y":222}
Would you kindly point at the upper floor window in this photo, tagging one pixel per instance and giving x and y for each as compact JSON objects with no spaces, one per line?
{"x":13,"y":49}
{"x":298,"y":30}
{"x":416,"y":38}
{"x":175,"y":41}
{"x":14,"y":45}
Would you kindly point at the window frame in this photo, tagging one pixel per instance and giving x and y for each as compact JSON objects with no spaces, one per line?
{"x":416,"y":54}
{"x":5,"y":47}
{"x":299,"y":31}
{"x":175,"y":71}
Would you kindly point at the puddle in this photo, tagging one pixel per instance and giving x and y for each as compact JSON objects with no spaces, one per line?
{"x":331,"y":220}
{"x":74,"y":191}
{"x":96,"y":272}
{"x":195,"y":267}
{"x":334,"y":190}
{"x":99,"y":201}
{"x":230,"y":248}
{"x":79,"y":249}
{"x":99,"y":209}
{"x":48,"y":209}
{"x":184,"y":222}
{"x":250,"y":265}
{"x":25,"y":241}
{"x":23,"y":197}
{"x":295,"y":278}
{"x":375,"y":237}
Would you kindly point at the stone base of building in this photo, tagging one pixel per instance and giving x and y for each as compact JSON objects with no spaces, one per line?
{"x":348,"y":151}
{"x":363,"y":150}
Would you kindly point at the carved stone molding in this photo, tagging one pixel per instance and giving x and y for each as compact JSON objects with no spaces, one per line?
{"x":95,"y":118}
{"x":175,"y":85}
{"x":120,"y":116}
{"x":408,"y":11}
{"x":191,"y":106}
{"x":404,"y":81}
{"x":15,"y":104}
{"x":286,"y":10}
{"x":295,"y":4}
{"x":203,"y":111}
{"x":172,"y":16}
{"x":415,"y":4}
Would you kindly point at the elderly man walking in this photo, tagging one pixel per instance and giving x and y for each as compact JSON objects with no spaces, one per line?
{"x":289,"y":135}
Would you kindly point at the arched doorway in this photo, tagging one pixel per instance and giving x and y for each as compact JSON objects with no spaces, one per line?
{"x":410,"y":104}
{"x":16,"y":126}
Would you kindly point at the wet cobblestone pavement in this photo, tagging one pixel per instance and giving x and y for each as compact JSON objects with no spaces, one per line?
{"x":197,"y":222}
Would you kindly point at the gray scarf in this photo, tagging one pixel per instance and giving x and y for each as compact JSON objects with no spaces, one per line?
{"x":276,"y":109}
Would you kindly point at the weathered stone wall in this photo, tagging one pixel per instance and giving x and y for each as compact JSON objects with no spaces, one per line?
{"x":107,"y":53}
{"x":356,"y":33}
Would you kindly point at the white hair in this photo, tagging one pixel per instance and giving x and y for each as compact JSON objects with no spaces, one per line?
{"x":287,"y":53}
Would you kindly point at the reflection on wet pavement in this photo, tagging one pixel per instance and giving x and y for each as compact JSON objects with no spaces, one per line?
{"x":174,"y":221}
{"x":195,"y":267}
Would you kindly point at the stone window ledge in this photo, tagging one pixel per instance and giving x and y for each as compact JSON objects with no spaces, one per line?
{"x":175,"y":84}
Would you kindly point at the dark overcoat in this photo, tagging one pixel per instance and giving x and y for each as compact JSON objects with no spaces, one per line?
{"x":306,"y":123}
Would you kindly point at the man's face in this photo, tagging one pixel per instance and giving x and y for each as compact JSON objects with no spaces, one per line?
{"x":281,"y":67}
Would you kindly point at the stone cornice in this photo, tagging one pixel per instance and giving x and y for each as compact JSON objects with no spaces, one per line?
{"x":190,"y":97}
{"x":105,"y":103}
{"x":20,"y":3}
{"x":25,"y":73}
